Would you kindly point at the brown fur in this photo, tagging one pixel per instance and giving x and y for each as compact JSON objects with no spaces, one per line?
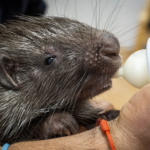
{"x":40,"y":101}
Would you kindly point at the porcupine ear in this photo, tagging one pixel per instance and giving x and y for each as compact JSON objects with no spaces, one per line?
{"x":8,"y":72}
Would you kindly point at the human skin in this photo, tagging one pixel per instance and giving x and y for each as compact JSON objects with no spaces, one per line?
{"x":129,"y":131}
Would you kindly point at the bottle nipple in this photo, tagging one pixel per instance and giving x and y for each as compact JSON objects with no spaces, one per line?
{"x":136,"y":69}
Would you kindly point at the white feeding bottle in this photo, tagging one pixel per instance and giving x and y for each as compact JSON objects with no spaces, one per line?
{"x":136,"y":69}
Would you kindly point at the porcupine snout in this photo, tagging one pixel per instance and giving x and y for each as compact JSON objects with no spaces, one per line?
{"x":103,"y":52}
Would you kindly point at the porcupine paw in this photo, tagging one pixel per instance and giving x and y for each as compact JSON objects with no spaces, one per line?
{"x":59,"y":125}
{"x":109,"y":115}
{"x":107,"y":110}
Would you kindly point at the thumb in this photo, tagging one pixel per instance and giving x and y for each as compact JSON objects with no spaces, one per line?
{"x":135,"y":115}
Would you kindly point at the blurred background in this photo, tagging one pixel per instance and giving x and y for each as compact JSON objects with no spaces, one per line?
{"x":128,"y":20}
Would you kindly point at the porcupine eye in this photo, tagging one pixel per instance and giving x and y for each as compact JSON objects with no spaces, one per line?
{"x":49,"y":60}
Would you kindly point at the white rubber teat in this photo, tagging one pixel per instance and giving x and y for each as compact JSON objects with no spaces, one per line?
{"x":136,"y":69}
{"x":148,"y":57}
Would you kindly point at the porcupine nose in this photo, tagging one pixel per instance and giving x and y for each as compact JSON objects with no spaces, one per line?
{"x":103,"y":52}
{"x":109,"y":48}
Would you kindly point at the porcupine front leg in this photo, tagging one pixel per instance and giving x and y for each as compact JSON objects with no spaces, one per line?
{"x":54,"y":125}
{"x":59,"y":125}
{"x":86,"y":114}
{"x":67,"y":123}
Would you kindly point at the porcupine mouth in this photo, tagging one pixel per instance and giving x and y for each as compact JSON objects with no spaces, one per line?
{"x":107,"y":86}
{"x":95,"y":88}
{"x":99,"y":88}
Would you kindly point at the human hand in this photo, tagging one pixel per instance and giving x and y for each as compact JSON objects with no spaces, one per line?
{"x":133,"y":124}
